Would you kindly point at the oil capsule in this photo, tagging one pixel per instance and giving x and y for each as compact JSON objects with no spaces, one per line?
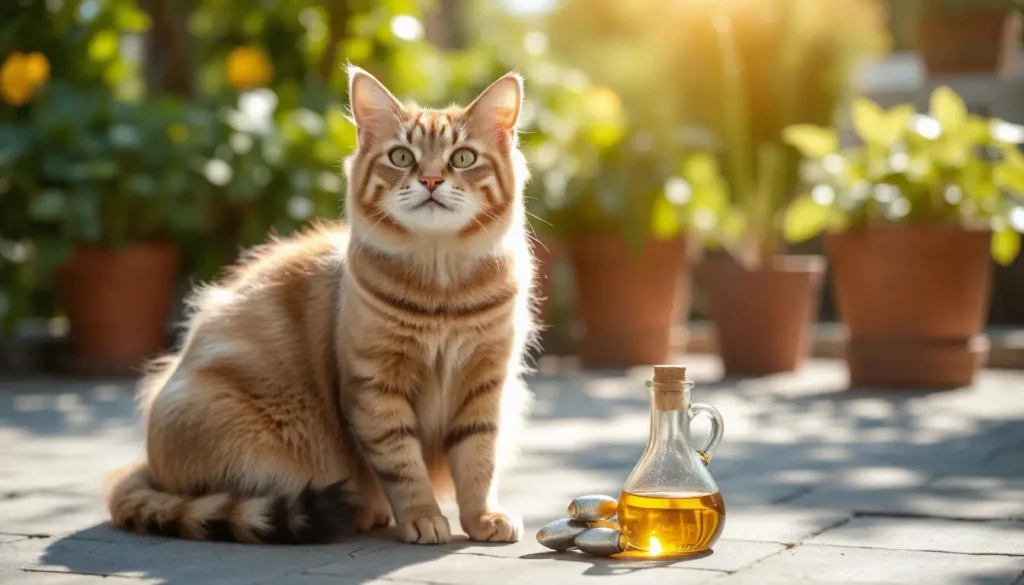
{"x":601,"y":542}
{"x":592,"y":507}
{"x":561,"y":534}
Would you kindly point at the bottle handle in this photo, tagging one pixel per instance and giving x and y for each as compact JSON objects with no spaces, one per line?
{"x":717,"y":428}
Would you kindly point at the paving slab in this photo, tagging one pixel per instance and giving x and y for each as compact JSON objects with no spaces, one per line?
{"x":182,"y":562}
{"x":426,"y":564}
{"x":46,"y":514}
{"x":952,"y":496}
{"x":927,"y":534}
{"x":803,"y":460}
{"x":48,"y":578}
{"x":835,"y":564}
{"x":779,"y":523}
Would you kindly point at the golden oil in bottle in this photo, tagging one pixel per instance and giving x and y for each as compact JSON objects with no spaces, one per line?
{"x":671,"y":523}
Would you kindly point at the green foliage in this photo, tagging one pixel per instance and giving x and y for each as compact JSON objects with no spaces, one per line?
{"x":946,"y":166}
{"x":724,"y":78}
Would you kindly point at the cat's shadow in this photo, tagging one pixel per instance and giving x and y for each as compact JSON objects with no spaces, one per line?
{"x":104,"y":550}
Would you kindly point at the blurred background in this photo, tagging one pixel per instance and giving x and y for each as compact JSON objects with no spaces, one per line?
{"x":762,"y":179}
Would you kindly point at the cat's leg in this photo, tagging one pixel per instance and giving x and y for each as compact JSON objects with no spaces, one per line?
{"x":226,"y":464}
{"x":477,"y":438}
{"x":374,"y":509}
{"x":384,"y":420}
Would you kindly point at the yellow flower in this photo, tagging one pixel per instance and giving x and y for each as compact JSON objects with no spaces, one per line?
{"x":21,"y":75}
{"x":248,"y":67}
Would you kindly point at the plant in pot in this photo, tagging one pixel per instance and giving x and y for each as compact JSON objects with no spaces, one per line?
{"x":913,"y":215}
{"x":115,"y":195}
{"x":631,"y":249}
{"x":962,"y":36}
{"x":761,"y":69}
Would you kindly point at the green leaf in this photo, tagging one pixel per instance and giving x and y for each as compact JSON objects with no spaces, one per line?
{"x":897,"y":122}
{"x":48,"y":205}
{"x":805,"y":219}
{"x":948,"y":109}
{"x":131,"y":19}
{"x":812,"y":141}
{"x":700,"y":168}
{"x":1005,"y":245}
{"x":103,"y":47}
{"x":85,"y":215}
{"x":1009,"y":177}
{"x":665,"y":222}
{"x":869,"y":121}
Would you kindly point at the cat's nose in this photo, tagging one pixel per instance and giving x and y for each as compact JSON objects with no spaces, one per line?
{"x":431,"y":182}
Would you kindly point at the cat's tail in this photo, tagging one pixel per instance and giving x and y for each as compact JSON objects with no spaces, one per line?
{"x":315,"y":515}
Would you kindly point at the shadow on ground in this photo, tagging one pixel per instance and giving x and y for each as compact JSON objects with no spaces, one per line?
{"x":101,"y":550}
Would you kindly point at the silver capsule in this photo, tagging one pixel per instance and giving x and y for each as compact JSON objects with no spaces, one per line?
{"x":592,"y":507}
{"x":561,"y":534}
{"x":601,"y":542}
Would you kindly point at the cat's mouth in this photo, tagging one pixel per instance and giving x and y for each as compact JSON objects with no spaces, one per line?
{"x":431,"y":203}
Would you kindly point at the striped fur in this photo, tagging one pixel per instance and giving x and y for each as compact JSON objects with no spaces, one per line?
{"x":347,"y":377}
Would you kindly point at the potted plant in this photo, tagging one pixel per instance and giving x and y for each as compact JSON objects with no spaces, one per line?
{"x":962,"y":36}
{"x":755,"y":74}
{"x":114,"y":198}
{"x":913,"y":215}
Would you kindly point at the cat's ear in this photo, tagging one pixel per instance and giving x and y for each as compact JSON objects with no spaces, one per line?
{"x":373,"y":108}
{"x":496,"y":109}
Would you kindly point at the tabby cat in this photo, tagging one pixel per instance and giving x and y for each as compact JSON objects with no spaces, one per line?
{"x":346,"y":378}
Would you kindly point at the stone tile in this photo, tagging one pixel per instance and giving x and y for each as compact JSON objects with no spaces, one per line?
{"x":778,"y":524}
{"x":307,"y":579}
{"x":6,"y":538}
{"x":1003,"y":538}
{"x":181,"y":562}
{"x":107,"y":533}
{"x":732,"y":555}
{"x":767,"y":488}
{"x":981,"y":497}
{"x":833,"y":564}
{"x":729,"y":555}
{"x":48,"y":578}
{"x":435,"y":566}
{"x":963,"y":497}
{"x":50,"y":514}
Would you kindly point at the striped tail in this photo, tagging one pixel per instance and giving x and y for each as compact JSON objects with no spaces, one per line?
{"x":316,"y":515}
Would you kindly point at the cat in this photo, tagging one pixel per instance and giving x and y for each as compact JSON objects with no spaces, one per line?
{"x":346,"y":378}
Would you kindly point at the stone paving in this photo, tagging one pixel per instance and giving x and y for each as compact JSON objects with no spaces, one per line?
{"x":822,"y":484}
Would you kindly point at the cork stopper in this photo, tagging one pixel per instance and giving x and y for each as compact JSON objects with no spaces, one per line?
{"x":669,"y":374}
{"x":669,"y":391}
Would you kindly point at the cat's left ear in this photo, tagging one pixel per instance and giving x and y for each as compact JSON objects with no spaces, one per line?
{"x":496,"y":109}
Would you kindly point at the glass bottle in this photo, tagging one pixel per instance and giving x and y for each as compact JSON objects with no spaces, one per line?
{"x":670,"y":504}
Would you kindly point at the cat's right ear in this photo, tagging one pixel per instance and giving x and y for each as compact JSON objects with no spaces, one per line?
{"x":373,"y":108}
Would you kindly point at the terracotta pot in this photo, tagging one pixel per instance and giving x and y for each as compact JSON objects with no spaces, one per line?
{"x":914,"y":300}
{"x":962,"y":42}
{"x":629,"y":303}
{"x":118,"y":302}
{"x":763,"y":318}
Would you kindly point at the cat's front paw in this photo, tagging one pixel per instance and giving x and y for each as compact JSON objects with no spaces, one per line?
{"x":427,"y":528}
{"x":493,"y":526}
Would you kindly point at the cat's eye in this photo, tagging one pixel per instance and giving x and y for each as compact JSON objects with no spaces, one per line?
{"x":401,"y":157}
{"x":463,"y":158}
